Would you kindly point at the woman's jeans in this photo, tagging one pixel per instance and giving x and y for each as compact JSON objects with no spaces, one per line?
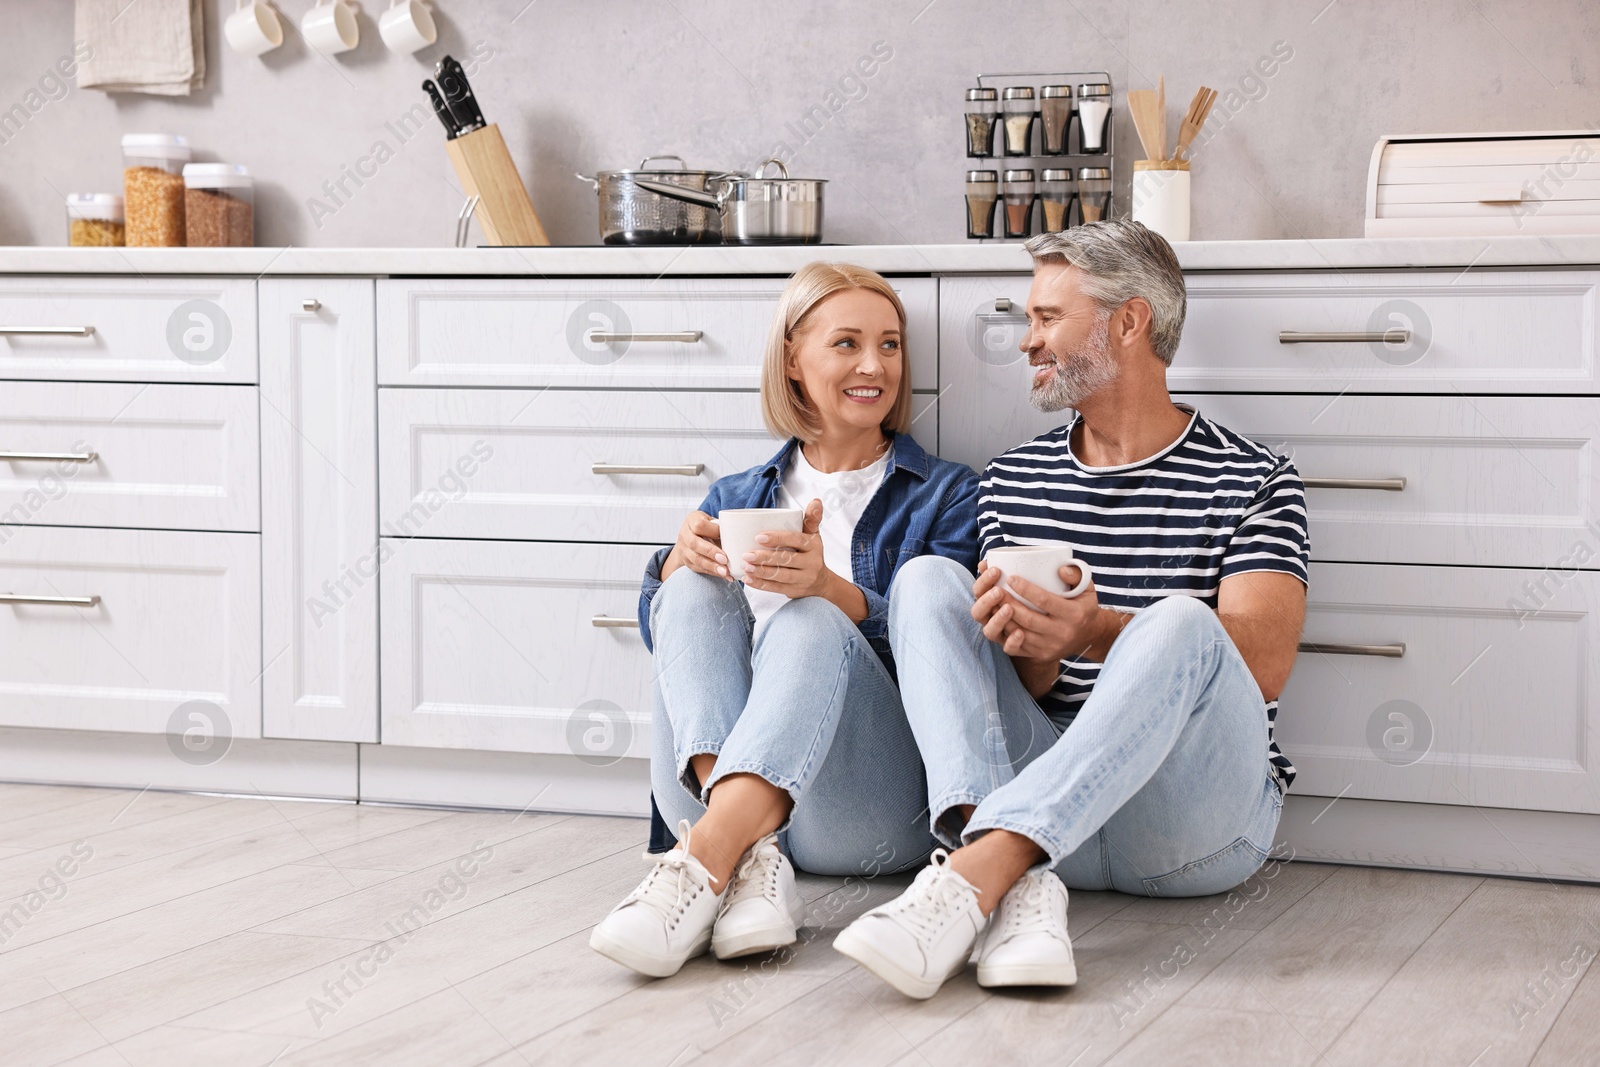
{"x":1159,"y":787}
{"x":807,"y":706}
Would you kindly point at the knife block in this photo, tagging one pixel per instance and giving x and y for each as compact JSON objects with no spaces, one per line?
{"x":486,"y":171}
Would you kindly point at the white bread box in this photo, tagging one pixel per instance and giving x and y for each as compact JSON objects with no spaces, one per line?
{"x":1473,"y":184}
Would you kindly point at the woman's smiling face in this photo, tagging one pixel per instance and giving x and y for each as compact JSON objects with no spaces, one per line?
{"x":849,"y":359}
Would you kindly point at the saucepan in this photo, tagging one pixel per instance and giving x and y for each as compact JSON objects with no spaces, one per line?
{"x":632,"y":212}
{"x":757,"y":210}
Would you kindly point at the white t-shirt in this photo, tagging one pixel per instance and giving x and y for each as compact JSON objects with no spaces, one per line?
{"x":844,"y":496}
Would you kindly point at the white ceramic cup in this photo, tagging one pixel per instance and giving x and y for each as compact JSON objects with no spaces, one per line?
{"x":331,"y":27}
{"x":407,"y":26}
{"x":739,"y":527}
{"x":1039,"y":564}
{"x":253,"y":28}
{"x":1161,"y":202}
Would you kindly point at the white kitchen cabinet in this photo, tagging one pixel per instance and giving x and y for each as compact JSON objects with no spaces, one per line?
{"x":131,"y":329}
{"x":1490,"y":701}
{"x":177,"y":457}
{"x":515,"y":646}
{"x":668,"y":333}
{"x":121,"y":629}
{"x":319,"y":500}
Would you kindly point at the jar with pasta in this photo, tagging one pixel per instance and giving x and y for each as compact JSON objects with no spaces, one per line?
{"x":152,"y":188}
{"x":94,"y":220}
{"x":219,"y":205}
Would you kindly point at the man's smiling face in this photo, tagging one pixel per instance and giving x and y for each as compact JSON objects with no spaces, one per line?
{"x":1067,"y":342}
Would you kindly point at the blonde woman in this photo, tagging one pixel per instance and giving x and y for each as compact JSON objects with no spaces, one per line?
{"x":779,"y":732}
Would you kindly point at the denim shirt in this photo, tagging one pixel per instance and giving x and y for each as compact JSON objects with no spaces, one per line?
{"x":925,"y":505}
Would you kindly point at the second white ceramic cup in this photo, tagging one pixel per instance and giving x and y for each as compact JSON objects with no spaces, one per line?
{"x":407,"y":26}
{"x":739,"y":527}
{"x":253,"y":28}
{"x":330,"y":27}
{"x":1039,"y":564}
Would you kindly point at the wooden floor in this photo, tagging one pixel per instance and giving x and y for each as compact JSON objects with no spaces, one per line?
{"x":166,"y":929}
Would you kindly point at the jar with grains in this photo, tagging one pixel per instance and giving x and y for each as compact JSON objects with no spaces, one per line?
{"x":219,"y":205}
{"x":94,"y":220}
{"x":152,"y":188}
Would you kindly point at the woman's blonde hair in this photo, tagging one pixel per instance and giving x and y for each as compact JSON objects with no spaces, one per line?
{"x":783,"y":405}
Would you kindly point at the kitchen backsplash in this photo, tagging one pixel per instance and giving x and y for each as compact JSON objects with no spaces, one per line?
{"x":346,"y":152}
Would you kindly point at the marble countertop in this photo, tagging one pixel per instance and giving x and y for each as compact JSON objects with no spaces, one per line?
{"x":594,"y":260}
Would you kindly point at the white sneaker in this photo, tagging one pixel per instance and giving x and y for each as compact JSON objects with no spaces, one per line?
{"x":1027,"y":943}
{"x":923,"y":936}
{"x":762,"y":908}
{"x":667,"y":920}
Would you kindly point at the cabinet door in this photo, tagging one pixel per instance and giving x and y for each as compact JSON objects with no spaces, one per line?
{"x":319,"y":500}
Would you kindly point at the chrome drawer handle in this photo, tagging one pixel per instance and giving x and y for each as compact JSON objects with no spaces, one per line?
{"x":608,"y":622}
{"x":46,"y":331}
{"x":63,"y":601}
{"x":1390,"y":485}
{"x":1387,"y":651}
{"x":1398,"y":335}
{"x":688,"y":470}
{"x":605,"y":337}
{"x":50,"y":457}
{"x":311,"y":304}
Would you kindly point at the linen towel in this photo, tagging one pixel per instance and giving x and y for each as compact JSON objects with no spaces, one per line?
{"x":141,"y":46}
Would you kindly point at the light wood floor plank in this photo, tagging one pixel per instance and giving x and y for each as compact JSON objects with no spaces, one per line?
{"x":1575,"y":1037}
{"x":25,"y":801}
{"x":440,"y":1029}
{"x":1251,"y":905}
{"x":113,"y":809}
{"x":1219,"y":1037}
{"x":441,"y":839}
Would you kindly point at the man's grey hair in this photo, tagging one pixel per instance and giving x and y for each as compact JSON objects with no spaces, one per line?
{"x":1121,"y":259}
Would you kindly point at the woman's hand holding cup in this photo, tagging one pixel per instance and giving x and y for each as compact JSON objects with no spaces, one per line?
{"x":790,"y":561}
{"x":699,"y":546}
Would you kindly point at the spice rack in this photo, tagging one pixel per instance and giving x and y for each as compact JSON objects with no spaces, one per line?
{"x":1049,"y":202}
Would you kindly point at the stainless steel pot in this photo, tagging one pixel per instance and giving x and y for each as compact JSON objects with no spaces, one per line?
{"x":633,"y":211}
{"x":757,"y":210}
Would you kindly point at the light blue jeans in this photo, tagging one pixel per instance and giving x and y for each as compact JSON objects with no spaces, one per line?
{"x":1159,"y":787}
{"x":809,"y":707}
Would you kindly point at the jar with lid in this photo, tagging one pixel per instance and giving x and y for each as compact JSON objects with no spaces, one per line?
{"x":1094,"y":193}
{"x":983,"y":192}
{"x":219,"y":205}
{"x":983,"y":115}
{"x":1018,"y":192}
{"x":1017,"y":112}
{"x":94,"y":220}
{"x":1056,"y":194}
{"x":1055,"y":118}
{"x":152,"y":188}
{"x":1094,"y":118}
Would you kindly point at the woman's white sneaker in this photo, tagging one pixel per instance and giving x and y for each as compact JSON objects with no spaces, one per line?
{"x":922,"y":937}
{"x":1026,"y":942}
{"x":665,"y":921}
{"x":762,"y":909}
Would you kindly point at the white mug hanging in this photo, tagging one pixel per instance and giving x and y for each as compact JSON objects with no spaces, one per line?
{"x":253,"y":28}
{"x":330,"y":27}
{"x":407,"y":26}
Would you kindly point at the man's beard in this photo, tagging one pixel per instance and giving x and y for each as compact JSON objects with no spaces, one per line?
{"x":1079,"y":373}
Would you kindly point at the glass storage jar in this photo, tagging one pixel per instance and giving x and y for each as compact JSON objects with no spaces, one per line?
{"x":1055,"y":118}
{"x":1017,"y":111}
{"x":1018,"y":192}
{"x":94,"y":220}
{"x":983,"y":192}
{"x":983,"y":115}
{"x":152,"y":188}
{"x":219,"y":205}
{"x":1056,"y":194}
{"x":1094,"y":193}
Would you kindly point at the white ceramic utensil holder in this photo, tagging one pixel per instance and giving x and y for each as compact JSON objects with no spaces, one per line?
{"x":1161,"y":196}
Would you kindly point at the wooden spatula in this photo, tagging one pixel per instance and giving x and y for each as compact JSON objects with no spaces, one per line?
{"x":1142,"y":105}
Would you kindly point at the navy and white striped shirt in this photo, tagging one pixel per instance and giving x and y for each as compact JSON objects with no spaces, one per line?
{"x":1209,"y":506}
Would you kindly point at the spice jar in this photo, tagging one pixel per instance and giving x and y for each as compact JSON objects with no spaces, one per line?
{"x":152,"y":188}
{"x":1056,"y":194}
{"x":1094,"y":193}
{"x":1018,"y":191}
{"x":1094,"y":118}
{"x":94,"y":220}
{"x":1055,"y":117}
{"x":1016,"y":107}
{"x":983,"y":115}
{"x":219,"y":205}
{"x":983,"y":191}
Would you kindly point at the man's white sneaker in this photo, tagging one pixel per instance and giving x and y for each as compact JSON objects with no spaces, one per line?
{"x":1026,"y":942}
{"x":923,"y":936}
{"x":666,"y":920}
{"x":762,"y":908}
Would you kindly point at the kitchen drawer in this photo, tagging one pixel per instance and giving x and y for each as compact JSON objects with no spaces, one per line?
{"x":1501,"y":481}
{"x":493,"y":645}
{"x":145,"y":329}
{"x":181,"y":457}
{"x":535,"y":332}
{"x":177,"y":620}
{"x":1493,"y":702}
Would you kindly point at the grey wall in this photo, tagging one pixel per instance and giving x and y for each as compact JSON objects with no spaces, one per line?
{"x":578,"y":85}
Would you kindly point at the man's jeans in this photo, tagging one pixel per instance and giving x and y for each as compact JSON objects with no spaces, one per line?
{"x":808,"y":707}
{"x":1159,"y":787}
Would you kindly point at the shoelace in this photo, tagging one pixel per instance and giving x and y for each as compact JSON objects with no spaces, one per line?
{"x":756,"y":876}
{"x":933,"y":898}
{"x":1028,"y":910}
{"x":663,"y":889}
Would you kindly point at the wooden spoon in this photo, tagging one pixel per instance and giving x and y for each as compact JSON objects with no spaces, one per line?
{"x":1142,"y":105}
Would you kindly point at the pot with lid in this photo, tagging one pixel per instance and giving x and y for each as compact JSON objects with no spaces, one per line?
{"x":633,"y":211}
{"x":757,"y":210}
